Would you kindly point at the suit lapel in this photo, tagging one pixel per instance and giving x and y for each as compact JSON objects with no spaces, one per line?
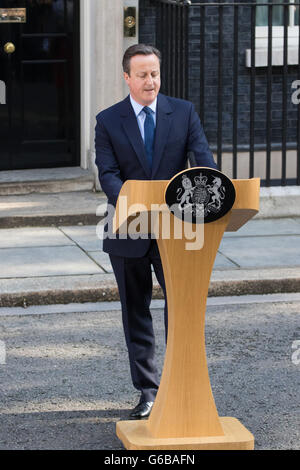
{"x":132,"y":130}
{"x":163,"y":124}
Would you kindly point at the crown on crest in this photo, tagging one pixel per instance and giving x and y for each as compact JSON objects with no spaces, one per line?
{"x":200,"y":180}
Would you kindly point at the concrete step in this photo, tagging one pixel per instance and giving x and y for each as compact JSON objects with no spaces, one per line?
{"x":43,"y":210}
{"x":50,"y":180}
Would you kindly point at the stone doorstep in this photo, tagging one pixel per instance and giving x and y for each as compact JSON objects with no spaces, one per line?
{"x":52,"y":180}
{"x":103,"y":287}
{"x":279,"y":201}
{"x":42,"y":210}
{"x":63,"y":186}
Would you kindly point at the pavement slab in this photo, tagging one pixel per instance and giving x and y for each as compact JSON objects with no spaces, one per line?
{"x":84,"y":236}
{"x":45,"y":261}
{"x":102,"y":259}
{"x":33,"y":237}
{"x":263,"y":252}
{"x":267,"y":227}
{"x":223,"y":262}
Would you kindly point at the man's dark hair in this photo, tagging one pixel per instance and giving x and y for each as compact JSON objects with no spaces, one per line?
{"x":138,"y":49}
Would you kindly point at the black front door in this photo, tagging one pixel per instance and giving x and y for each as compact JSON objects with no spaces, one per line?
{"x":39,"y":70}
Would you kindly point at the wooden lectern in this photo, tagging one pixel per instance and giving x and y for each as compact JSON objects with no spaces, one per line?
{"x":185,"y":385}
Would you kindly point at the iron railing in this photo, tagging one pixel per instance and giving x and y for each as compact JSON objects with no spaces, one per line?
{"x":213,"y":56}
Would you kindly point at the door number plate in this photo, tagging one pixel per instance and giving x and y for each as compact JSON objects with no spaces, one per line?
{"x":12,"y":15}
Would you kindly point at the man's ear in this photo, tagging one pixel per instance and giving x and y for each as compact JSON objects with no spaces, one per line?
{"x":126,"y":77}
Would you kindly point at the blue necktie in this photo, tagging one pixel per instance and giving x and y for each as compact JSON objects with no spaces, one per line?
{"x":149,"y":130}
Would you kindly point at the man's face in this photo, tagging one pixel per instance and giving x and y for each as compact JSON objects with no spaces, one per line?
{"x":144,"y":78}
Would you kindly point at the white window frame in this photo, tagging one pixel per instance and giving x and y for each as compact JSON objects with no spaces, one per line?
{"x":261,"y":44}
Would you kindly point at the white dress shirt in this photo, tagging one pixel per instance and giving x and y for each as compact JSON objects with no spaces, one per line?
{"x":141,"y":115}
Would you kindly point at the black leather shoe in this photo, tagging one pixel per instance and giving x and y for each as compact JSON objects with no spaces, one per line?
{"x":142,"y":410}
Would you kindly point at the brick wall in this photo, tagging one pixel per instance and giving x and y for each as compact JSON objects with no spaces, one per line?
{"x":147,"y":19}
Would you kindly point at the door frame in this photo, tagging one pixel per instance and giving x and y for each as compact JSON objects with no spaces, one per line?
{"x":85,"y":82}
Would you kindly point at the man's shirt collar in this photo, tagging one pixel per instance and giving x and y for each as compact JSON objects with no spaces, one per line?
{"x":137,"y":107}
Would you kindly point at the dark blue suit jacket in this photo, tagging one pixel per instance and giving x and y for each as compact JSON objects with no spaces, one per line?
{"x":120,"y":153}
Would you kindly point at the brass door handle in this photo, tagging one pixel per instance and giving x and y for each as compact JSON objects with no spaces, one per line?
{"x":9,"y":48}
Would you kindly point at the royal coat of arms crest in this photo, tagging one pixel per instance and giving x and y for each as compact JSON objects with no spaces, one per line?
{"x":193,"y":195}
{"x":200,"y":193}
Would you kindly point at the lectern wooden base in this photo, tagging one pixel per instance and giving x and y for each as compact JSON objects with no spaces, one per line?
{"x":135,"y":436}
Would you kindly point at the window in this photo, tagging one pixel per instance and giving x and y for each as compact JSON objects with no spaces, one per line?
{"x":277,"y":14}
{"x":262,"y":32}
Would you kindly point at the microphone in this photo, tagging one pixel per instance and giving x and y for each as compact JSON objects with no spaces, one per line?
{"x":191,"y":159}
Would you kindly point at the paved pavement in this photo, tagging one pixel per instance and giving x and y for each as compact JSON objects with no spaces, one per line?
{"x":63,"y":264}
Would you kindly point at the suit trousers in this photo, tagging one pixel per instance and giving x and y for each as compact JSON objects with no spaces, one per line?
{"x":134,"y":279}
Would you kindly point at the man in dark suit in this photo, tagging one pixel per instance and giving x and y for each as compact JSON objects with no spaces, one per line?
{"x":147,"y":136}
